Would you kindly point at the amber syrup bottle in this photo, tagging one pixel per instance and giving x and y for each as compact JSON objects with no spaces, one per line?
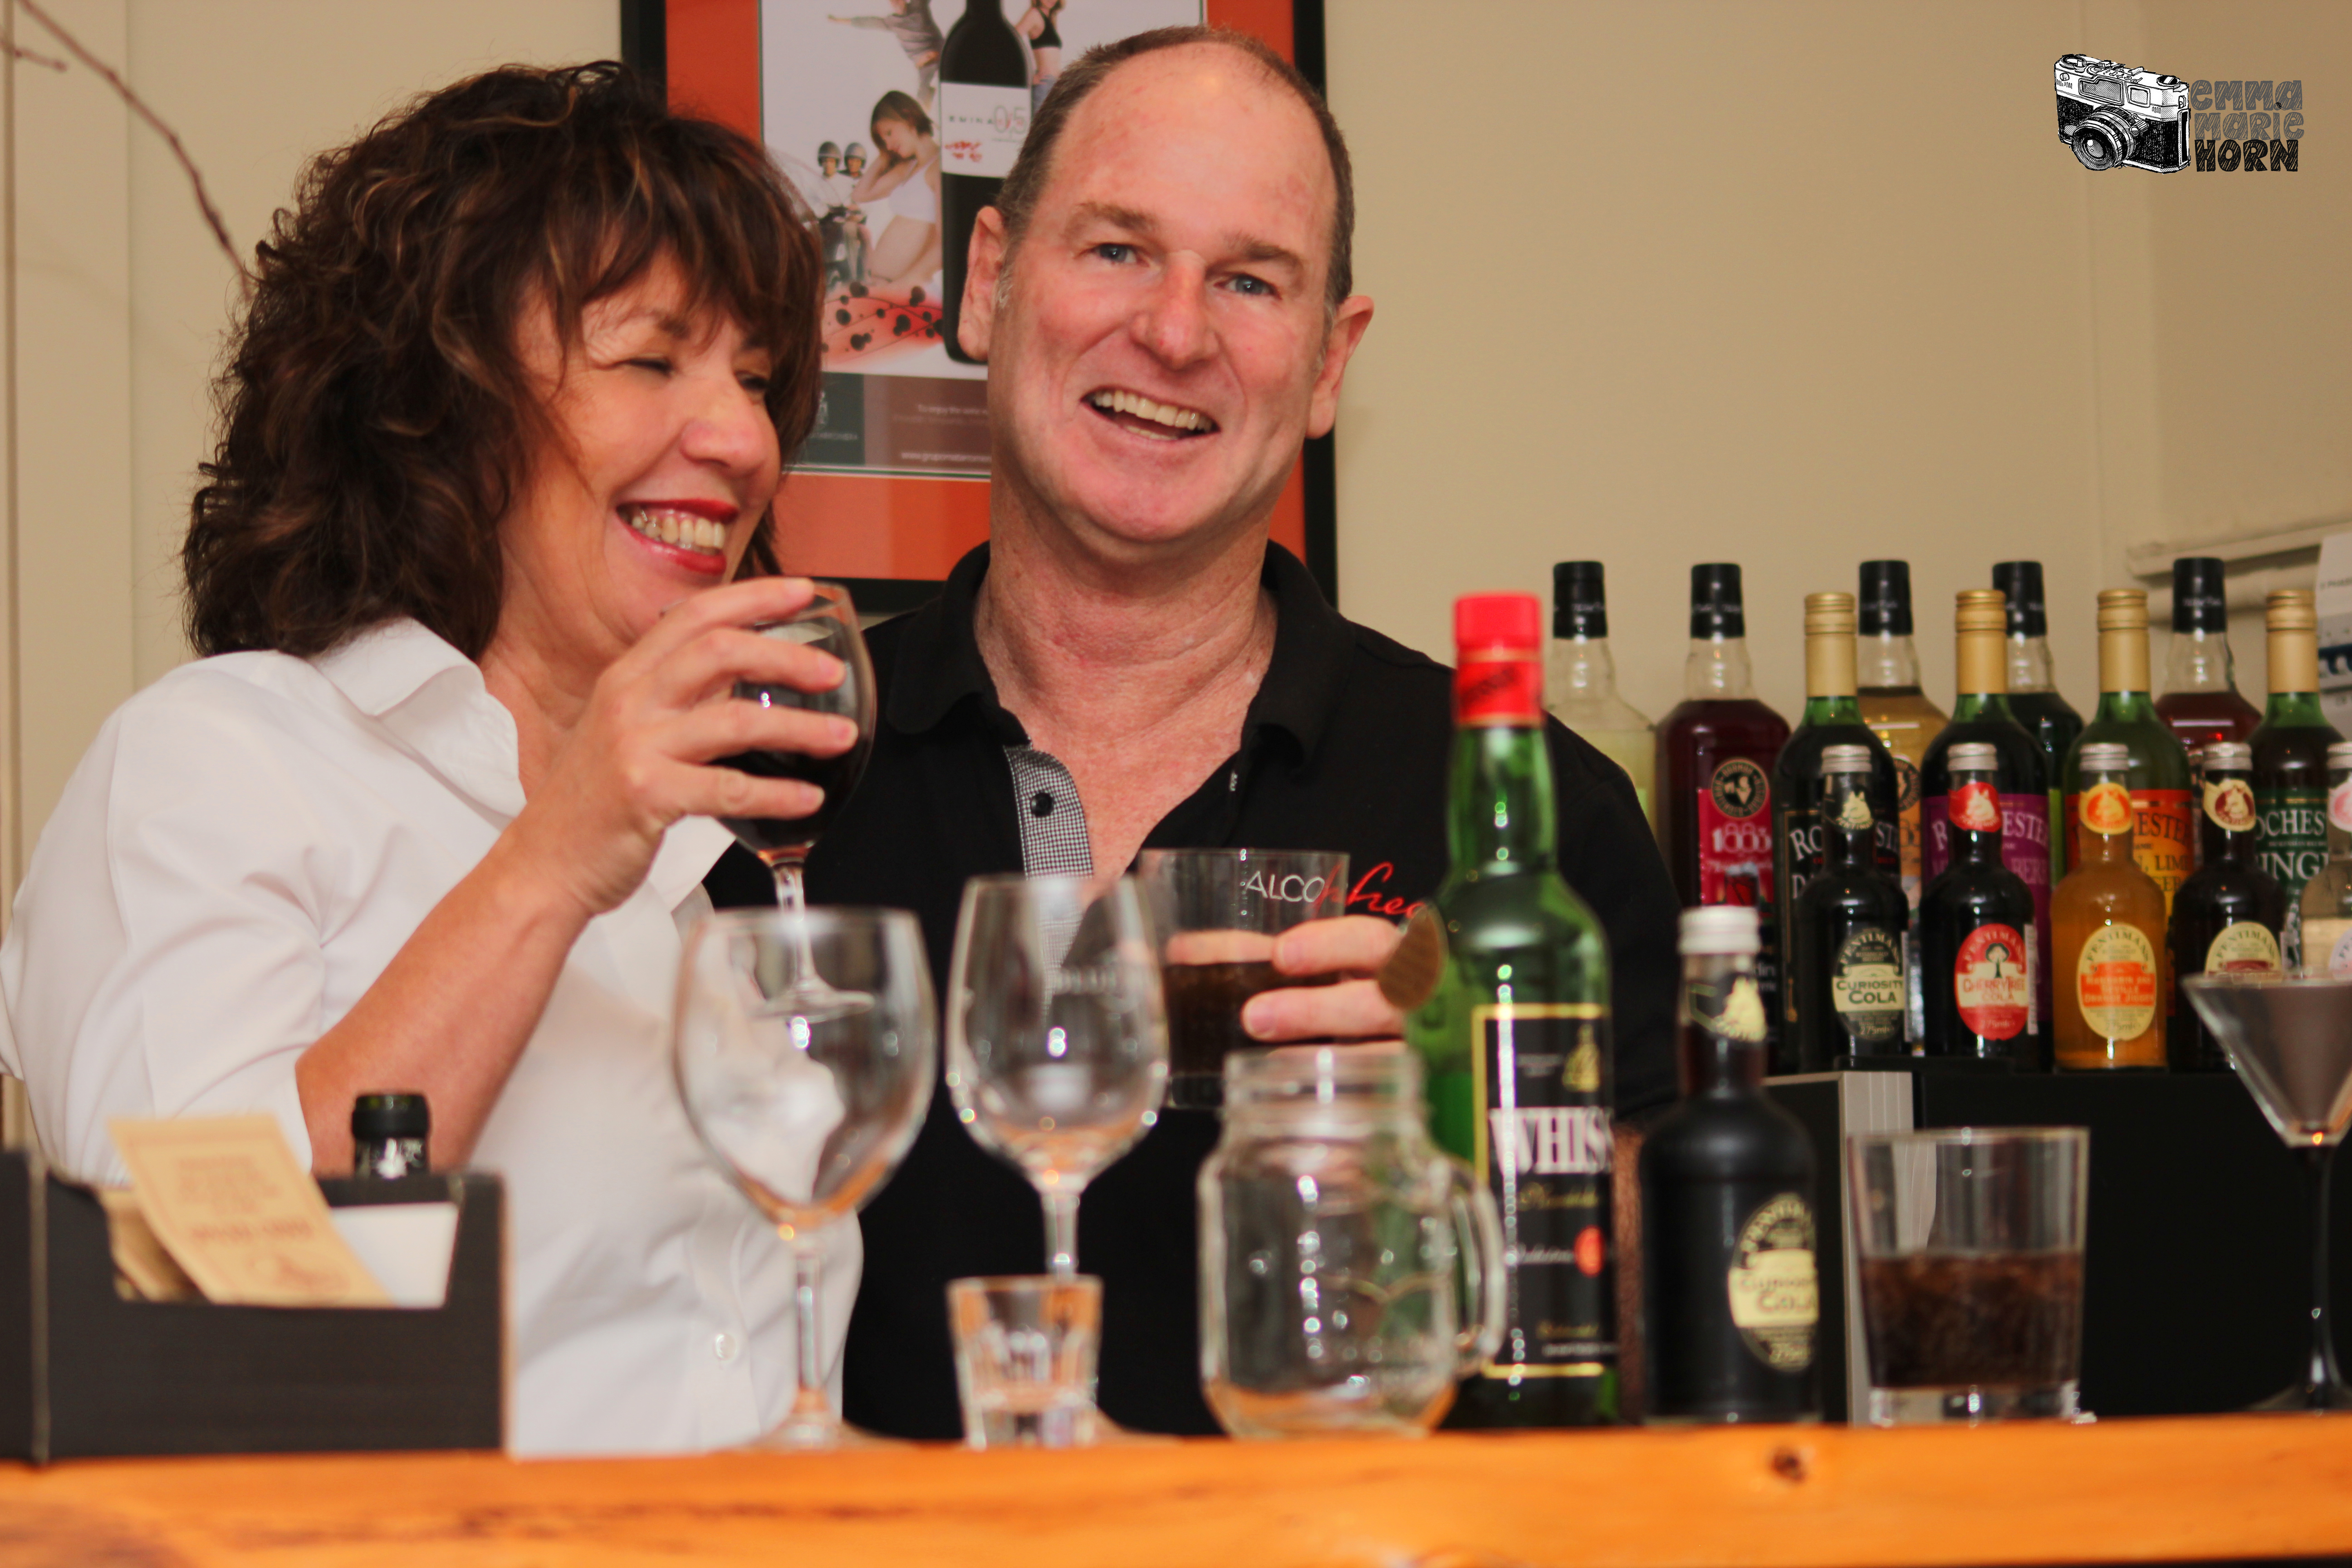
{"x":2110,"y":920}
{"x":1976,"y":930}
{"x":2227,"y":917}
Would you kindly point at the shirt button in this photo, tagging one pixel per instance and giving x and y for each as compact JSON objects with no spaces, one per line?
{"x":1043,"y":806}
{"x":724,"y":1347}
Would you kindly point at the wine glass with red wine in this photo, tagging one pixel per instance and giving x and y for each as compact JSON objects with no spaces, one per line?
{"x":827,"y":622}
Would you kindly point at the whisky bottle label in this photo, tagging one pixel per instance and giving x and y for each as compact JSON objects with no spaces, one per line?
{"x":2242,"y":947}
{"x":1866,"y":986}
{"x":2114,"y":981}
{"x":1775,"y":1292}
{"x":1735,"y":836}
{"x":2229,"y":805}
{"x":2327,"y":946}
{"x":1543,"y":1145}
{"x":1993,"y":982}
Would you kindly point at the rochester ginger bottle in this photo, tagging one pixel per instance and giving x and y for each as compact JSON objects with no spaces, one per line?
{"x":2160,"y":767}
{"x":1518,"y":1030}
{"x":1716,"y":752}
{"x":1976,"y":930}
{"x":2290,"y":747}
{"x":2110,"y":920}
{"x":1581,"y":683}
{"x":1981,"y":713}
{"x":2034,"y":699}
{"x":2200,"y":701}
{"x":1728,"y":1208}
{"x":984,"y":119}
{"x":2227,"y":917}
{"x":1892,"y":703}
{"x":2327,"y":898}
{"x":1846,"y":929}
{"x":1833,"y":718}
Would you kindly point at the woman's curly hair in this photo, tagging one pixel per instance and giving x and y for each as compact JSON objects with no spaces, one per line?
{"x":376,"y":416}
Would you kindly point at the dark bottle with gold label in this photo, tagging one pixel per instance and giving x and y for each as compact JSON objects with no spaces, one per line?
{"x":2227,"y":918}
{"x":1848,"y":982}
{"x":1728,"y":1208}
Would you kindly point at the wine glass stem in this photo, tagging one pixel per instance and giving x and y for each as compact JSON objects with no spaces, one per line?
{"x":2320,"y":1162}
{"x":1061,"y":1233}
{"x":793,"y":899}
{"x":809,"y":1400}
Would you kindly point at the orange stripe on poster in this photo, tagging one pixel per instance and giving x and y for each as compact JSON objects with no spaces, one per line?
{"x":853,"y":525}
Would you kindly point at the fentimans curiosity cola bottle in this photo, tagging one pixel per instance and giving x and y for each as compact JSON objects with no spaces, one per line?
{"x":2290,"y":746}
{"x":1977,"y":941}
{"x":1847,"y":929}
{"x":2033,"y":698}
{"x":1981,"y":713}
{"x":984,"y":119}
{"x":1728,"y":1207}
{"x":2327,"y":898}
{"x":2227,"y":917}
{"x":1831,"y":718}
{"x":1582,"y":681}
{"x":1516,"y":1038}
{"x":2110,"y":917}
{"x":2200,"y":701}
{"x":1716,"y":752}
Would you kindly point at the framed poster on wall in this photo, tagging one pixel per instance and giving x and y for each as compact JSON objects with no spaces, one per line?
{"x":844,"y":94}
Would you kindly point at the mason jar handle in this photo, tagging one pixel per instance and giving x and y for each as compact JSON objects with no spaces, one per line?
{"x":1480,"y":1232}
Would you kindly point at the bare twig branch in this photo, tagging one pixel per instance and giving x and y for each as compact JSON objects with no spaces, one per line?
{"x":139,"y":106}
{"x":30,"y":58}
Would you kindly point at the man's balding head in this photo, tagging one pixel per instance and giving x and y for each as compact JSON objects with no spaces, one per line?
{"x":1017,"y":200}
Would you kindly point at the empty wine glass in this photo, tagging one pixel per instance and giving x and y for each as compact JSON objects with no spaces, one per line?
{"x":807,"y":1113}
{"x":1057,"y":1045}
{"x":829,"y":622}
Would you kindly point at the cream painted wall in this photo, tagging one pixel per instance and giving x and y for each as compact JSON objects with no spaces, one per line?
{"x":123,"y":296}
{"x":1803,"y":283}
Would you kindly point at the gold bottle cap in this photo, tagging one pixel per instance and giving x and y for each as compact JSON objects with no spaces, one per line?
{"x":2291,"y":610}
{"x":1980,"y":610}
{"x":1829,"y":614}
{"x":2123,"y":609}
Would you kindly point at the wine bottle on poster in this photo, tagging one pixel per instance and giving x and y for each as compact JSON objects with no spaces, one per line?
{"x":984,"y":119}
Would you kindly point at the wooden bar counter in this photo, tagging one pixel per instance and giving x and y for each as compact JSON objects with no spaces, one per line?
{"x":2211,"y":1487}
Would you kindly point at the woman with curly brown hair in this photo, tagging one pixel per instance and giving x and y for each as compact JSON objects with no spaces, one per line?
{"x":474,"y":566}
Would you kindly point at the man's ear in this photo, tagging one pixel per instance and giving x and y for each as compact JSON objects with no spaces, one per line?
{"x":983,"y":266}
{"x":1347,"y":325}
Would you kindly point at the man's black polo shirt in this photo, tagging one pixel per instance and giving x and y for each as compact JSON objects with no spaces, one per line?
{"x":1345,"y":747}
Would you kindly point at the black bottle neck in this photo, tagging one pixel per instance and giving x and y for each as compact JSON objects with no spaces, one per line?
{"x":2218,"y":844}
{"x":1975,"y":848}
{"x":1849,"y":832}
{"x":1721,"y":1009}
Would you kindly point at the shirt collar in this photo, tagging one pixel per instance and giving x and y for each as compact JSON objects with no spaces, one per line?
{"x":940,"y":667}
{"x":386,"y":664}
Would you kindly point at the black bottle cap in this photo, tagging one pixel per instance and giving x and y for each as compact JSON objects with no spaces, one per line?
{"x":2022,"y":581}
{"x":2199,"y":602}
{"x":1579,"y":602}
{"x":376,"y":1117}
{"x":1716,"y":607}
{"x":1886,"y":601}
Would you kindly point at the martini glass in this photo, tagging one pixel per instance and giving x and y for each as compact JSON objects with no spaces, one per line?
{"x":2290,"y":1037}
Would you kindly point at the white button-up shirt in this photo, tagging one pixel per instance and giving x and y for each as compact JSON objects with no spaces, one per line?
{"x":245,"y":848}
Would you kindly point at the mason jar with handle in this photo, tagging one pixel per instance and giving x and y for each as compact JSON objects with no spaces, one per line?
{"x":1351,"y":1271}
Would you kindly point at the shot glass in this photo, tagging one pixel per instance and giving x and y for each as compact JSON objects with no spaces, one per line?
{"x":1970,"y":1245}
{"x":1024,"y":1350}
{"x":1219,"y":912}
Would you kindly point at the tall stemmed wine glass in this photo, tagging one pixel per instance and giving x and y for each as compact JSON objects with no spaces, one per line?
{"x":1057,"y":1042}
{"x":808,"y":1114}
{"x":827,"y":622}
{"x":2290,"y":1037}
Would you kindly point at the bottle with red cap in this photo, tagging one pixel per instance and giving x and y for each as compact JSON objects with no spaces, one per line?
{"x":1515,"y":1037}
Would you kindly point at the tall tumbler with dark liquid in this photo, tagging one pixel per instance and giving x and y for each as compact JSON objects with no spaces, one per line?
{"x":1218,"y":913}
{"x":1715,"y":754}
{"x":984,"y":119}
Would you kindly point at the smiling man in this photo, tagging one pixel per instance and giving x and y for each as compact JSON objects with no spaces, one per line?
{"x":1164,"y":299}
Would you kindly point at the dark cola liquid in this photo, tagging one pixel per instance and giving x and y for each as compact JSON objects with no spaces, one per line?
{"x":1205,"y":1022}
{"x":1987,"y":1320}
{"x":764,"y":836}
